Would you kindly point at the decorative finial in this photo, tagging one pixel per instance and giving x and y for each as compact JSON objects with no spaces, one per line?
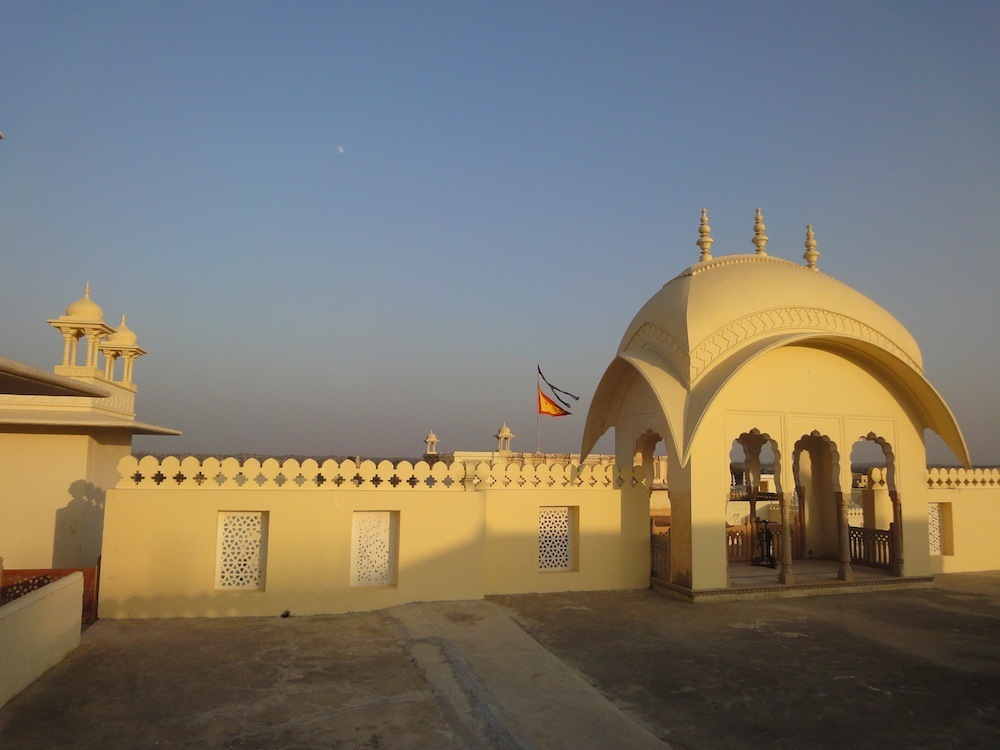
{"x":811,"y":254}
{"x":759,"y":238}
{"x":123,"y":319}
{"x":704,"y":237}
{"x":86,"y":290}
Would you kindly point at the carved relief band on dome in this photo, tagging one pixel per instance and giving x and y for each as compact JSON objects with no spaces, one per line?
{"x":649,"y":333}
{"x":769,"y":321}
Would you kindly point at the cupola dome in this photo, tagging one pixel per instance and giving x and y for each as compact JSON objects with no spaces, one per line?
{"x":85,"y":308}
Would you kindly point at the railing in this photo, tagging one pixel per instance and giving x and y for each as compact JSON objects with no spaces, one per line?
{"x":871,"y":547}
{"x":16,"y":583}
{"x":742,"y":541}
{"x":763,"y":498}
{"x":660,"y":556}
{"x":739,"y":543}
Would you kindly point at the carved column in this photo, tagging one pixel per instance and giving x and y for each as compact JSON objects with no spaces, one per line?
{"x":845,"y":573}
{"x":786,"y":575}
{"x":69,"y":349}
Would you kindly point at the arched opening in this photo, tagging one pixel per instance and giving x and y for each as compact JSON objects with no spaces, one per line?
{"x":816,"y":470}
{"x":874,"y":534}
{"x":753,"y":509}
{"x":649,"y":452}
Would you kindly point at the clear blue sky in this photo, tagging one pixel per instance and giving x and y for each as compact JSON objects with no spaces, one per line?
{"x":516,"y":180}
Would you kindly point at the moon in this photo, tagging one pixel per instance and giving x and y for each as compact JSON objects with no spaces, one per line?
{"x":340,"y":149}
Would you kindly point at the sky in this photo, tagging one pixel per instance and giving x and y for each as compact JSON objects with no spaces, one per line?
{"x":335,"y":226}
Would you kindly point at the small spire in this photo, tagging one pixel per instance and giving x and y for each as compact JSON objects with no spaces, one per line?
{"x":759,"y":238}
{"x":811,"y":254}
{"x":86,"y":290}
{"x":704,"y":237}
{"x":123,"y":319}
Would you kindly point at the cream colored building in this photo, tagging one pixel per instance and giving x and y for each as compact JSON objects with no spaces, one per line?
{"x":759,"y":350}
{"x":61,"y":438}
{"x":748,"y":350}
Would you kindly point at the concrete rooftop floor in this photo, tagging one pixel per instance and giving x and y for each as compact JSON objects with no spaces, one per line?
{"x":915,"y":668}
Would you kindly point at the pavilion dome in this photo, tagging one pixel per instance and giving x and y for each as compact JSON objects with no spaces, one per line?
{"x":85,"y":308}
{"x":714,"y":308}
{"x":691,"y":337}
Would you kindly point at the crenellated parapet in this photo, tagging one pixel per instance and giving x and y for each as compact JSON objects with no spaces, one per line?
{"x":192,"y":473}
{"x":963,"y":478}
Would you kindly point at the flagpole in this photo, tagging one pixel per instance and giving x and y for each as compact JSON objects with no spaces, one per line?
{"x":538,"y":387}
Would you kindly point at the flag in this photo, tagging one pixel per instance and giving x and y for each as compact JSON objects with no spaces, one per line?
{"x":557,"y":391}
{"x":547,"y":406}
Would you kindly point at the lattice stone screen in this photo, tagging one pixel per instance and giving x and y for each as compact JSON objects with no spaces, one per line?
{"x":374,"y":548}
{"x":242,"y":550}
{"x":556,"y":531}
{"x":934,"y":528}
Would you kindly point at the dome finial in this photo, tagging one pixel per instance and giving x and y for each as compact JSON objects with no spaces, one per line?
{"x":704,"y":237}
{"x":86,"y":290}
{"x":811,"y":253}
{"x":759,"y":238}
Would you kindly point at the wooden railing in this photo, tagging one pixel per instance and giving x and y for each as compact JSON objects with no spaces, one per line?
{"x":871,"y":547}
{"x":660,"y":556}
{"x":742,"y":543}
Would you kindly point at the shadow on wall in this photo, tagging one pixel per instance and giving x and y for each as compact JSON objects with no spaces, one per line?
{"x":79,"y":527}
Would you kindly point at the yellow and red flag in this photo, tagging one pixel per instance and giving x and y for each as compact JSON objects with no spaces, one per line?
{"x":547,"y":406}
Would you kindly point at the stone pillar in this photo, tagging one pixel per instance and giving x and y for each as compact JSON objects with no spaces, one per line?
{"x":127,"y":368}
{"x":786,"y":575}
{"x":69,"y":349}
{"x":109,"y":365}
{"x":697,"y":527}
{"x":843,"y":525}
{"x":897,"y":535}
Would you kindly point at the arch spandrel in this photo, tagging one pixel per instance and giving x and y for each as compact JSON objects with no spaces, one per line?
{"x":607,"y":402}
{"x":615,"y":385}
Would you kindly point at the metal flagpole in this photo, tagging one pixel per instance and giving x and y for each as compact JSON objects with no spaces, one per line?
{"x":538,"y":387}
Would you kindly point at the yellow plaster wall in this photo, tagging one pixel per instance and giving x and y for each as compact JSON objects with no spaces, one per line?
{"x":52,"y":498}
{"x":612,"y":535}
{"x":160,"y":551}
{"x":975,"y":529}
{"x":461,"y":539}
{"x":37,"y":631}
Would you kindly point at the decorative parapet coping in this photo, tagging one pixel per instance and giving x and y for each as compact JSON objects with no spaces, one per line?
{"x":963,"y":478}
{"x":172,"y":472}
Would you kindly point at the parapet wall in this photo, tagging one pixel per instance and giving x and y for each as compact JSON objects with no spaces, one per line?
{"x":37,"y":631}
{"x":963,"y":478}
{"x":216,"y":538}
{"x":963,"y":508}
{"x":173,"y":473}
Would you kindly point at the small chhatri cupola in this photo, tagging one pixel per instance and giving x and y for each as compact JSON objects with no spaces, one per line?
{"x":121,"y":344}
{"x":504,"y":436}
{"x":84,"y":319}
{"x":431,"y":442}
